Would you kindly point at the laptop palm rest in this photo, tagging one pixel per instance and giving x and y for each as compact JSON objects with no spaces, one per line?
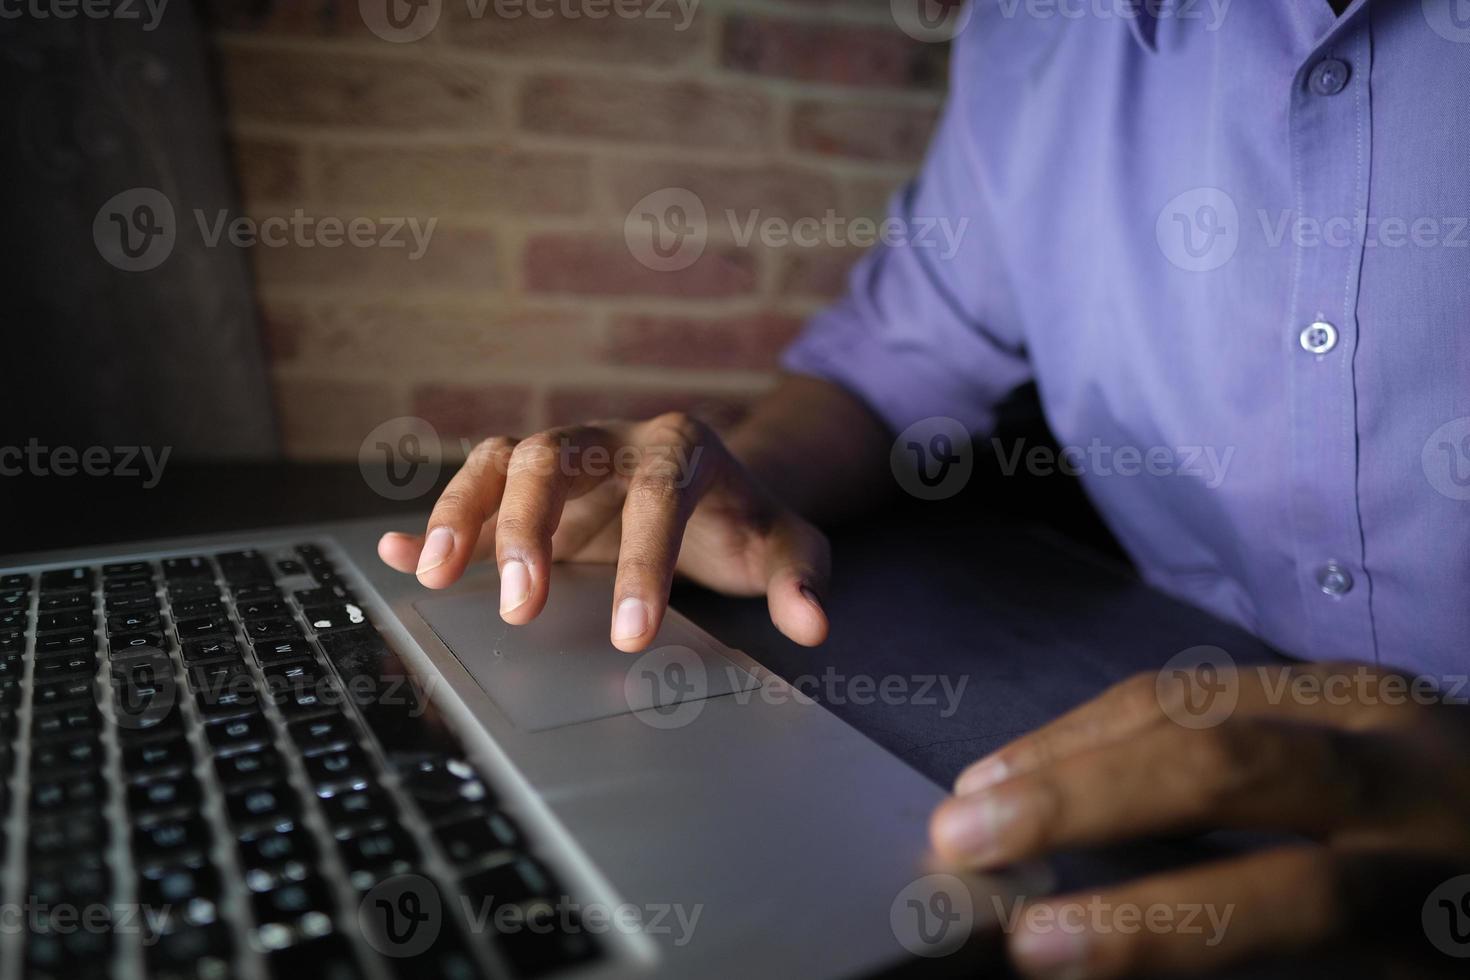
{"x":562,"y":670}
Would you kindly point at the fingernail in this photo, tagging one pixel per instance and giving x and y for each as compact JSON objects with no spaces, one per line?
{"x":811,"y":595}
{"x":515,"y":585}
{"x":1055,"y":953}
{"x":437,"y":548}
{"x":985,"y":773}
{"x":631,"y":620}
{"x":973,"y":828}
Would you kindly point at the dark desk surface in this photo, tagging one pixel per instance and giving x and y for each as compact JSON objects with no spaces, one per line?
{"x":1031,"y":621}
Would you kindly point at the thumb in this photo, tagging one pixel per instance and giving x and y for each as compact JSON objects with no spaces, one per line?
{"x":798,"y":566}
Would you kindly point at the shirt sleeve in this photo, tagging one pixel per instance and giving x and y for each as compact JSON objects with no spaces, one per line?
{"x":928,"y":325}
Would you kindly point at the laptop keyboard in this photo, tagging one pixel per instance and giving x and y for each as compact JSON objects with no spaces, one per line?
{"x":221,"y":757}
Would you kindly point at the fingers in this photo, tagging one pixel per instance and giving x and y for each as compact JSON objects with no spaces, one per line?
{"x":1203,"y":919}
{"x":1243,"y":774}
{"x":1348,"y":696}
{"x":798,"y":564}
{"x":400,"y":551}
{"x":677,"y":456}
{"x":544,"y":472}
{"x":473,"y":494}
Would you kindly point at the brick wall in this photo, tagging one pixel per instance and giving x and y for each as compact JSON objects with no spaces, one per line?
{"x":529,"y":139}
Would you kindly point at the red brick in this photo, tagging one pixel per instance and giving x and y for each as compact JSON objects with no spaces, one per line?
{"x":453,"y":180}
{"x":683,"y":113}
{"x":571,"y":405}
{"x":330,"y":88}
{"x":641,"y":41}
{"x":819,"y":273}
{"x":771,"y":191}
{"x":813,"y":51}
{"x":754,"y":341}
{"x":473,"y":412}
{"x":456,"y":258}
{"x":863,"y":132}
{"x":269,"y":171}
{"x":559,"y":263}
{"x":328,"y":417}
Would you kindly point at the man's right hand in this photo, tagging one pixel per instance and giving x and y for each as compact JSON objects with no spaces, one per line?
{"x":655,"y":497}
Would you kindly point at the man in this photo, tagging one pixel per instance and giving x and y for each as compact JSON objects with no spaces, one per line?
{"x":1241,"y":229}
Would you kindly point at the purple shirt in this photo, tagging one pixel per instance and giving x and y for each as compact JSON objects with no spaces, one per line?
{"x":1242,"y":234}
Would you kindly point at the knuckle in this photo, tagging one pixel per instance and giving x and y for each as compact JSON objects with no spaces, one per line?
{"x":640,"y":564}
{"x":1226,"y":761}
{"x":456,"y":502}
{"x":1047,"y":811}
{"x":512,"y":528}
{"x":491,"y":452}
{"x":655,"y":490}
{"x":1137,"y":696}
{"x":536,"y":455}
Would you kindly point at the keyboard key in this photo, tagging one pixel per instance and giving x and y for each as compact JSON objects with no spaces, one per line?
{"x":329,"y":733}
{"x":14,"y":620}
{"x":128,"y":588}
{"x":176,"y":841}
{"x":384,"y":690}
{"x":80,"y":754}
{"x":257,"y":592}
{"x":355,"y":810}
{"x":517,"y":880}
{"x":131,"y":644}
{"x":156,"y":760}
{"x":143,"y":602}
{"x":271,"y":806}
{"x":325,"y":595}
{"x":274,"y":856}
{"x":193,"y":592}
{"x":72,"y":640}
{"x":272,"y":629}
{"x":539,"y":938}
{"x":238,"y":734}
{"x":214,"y":648}
{"x":271,"y":650}
{"x":63,"y":602}
{"x":132,"y":621}
{"x":67,"y":578}
{"x":66,"y":721}
{"x":198,"y":608}
{"x":292,"y":913}
{"x":15,"y":600}
{"x":80,"y":620}
{"x":71,"y":884}
{"x":473,"y":839}
{"x":374,"y":855}
{"x":328,"y":958}
{"x":193,"y":567}
{"x":184,"y":897}
{"x":163,"y":796}
{"x":335,"y":617}
{"x":448,"y":958}
{"x":247,"y":768}
{"x":193,"y":629}
{"x":340,"y":770}
{"x":15,"y":582}
{"x":446,"y":788}
{"x":76,"y":839}
{"x":127,"y":569}
{"x":57,"y":795}
{"x":64,"y":691}
{"x":262,"y":609}
{"x":196,"y":953}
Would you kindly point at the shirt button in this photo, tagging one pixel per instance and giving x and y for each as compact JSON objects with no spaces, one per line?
{"x":1334,"y":579}
{"x":1329,"y":76}
{"x":1319,"y":337}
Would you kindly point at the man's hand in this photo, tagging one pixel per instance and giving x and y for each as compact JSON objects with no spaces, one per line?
{"x":652,"y":496}
{"x":1371,"y":776}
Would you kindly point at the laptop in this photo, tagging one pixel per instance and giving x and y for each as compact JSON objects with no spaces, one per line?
{"x":268,"y":755}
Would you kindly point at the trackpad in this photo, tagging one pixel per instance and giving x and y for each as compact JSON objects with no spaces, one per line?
{"x":561,"y":669}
